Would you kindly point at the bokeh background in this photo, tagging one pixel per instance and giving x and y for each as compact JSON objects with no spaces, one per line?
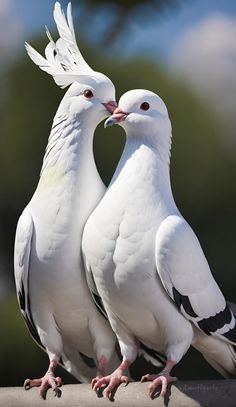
{"x":184,"y":50}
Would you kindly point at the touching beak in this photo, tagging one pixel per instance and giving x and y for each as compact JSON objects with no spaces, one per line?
{"x":110,"y":106}
{"x":117,"y":117}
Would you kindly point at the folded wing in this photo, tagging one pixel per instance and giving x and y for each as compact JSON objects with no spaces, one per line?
{"x":186,"y":276}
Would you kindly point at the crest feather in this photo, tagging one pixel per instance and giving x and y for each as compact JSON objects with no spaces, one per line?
{"x":63,"y":59}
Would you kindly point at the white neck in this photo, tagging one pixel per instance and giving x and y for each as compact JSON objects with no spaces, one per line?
{"x":69,"y":178}
{"x":147,"y":163}
{"x":134,"y":143}
{"x":68,"y":142}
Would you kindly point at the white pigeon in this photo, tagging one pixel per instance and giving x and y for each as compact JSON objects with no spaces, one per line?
{"x":147,"y":263}
{"x":54,"y":298}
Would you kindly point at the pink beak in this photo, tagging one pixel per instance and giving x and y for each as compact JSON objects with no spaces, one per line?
{"x":110,"y":106}
{"x":117,"y":117}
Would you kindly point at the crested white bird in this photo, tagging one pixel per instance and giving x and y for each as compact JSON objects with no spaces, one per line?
{"x":53,"y":294}
{"x":146,"y":261}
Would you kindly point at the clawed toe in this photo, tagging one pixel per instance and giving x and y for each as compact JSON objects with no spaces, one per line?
{"x":114,"y":383}
{"x":28,"y":383}
{"x":147,"y":378}
{"x":109,"y":383}
{"x":44,"y":384}
{"x":161,"y":380}
{"x":94,"y":381}
{"x":98,"y":383}
{"x":125,"y":380}
{"x":57,"y":392}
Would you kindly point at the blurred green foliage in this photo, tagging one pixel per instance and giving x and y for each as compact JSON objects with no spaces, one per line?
{"x":20,"y":357}
{"x":16,"y":345}
{"x":202,"y":177}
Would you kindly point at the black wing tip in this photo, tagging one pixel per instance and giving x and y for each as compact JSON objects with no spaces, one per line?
{"x":183,"y":300}
{"x":99,"y":304}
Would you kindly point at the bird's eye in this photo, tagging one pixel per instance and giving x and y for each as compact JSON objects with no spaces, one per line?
{"x":88,"y":93}
{"x":145,"y":106}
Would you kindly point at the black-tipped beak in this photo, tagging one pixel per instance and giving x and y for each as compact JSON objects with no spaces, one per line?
{"x":117,"y":117}
{"x":110,"y":106}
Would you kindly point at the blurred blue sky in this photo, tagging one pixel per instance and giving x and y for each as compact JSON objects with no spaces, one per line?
{"x":163,"y":34}
{"x":160,"y":35}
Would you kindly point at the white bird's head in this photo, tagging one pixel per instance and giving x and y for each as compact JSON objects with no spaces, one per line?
{"x":90,"y":92}
{"x":91,"y":99}
{"x":141,"y":113}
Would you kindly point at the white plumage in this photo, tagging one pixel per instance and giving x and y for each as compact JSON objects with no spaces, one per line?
{"x":64,"y":60}
{"x":147,"y":263}
{"x":51,"y":285}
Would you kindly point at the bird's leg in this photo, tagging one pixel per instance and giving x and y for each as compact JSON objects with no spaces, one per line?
{"x":48,"y":380}
{"x":113,"y":380}
{"x":101,"y":370}
{"x":162,"y":379}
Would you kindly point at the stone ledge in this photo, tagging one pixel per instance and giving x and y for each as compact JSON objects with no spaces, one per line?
{"x":209,"y":393}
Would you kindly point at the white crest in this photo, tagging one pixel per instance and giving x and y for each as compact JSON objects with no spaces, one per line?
{"x":63,"y":59}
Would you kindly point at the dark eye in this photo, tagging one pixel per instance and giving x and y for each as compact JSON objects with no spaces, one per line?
{"x":144,"y":106}
{"x":88,"y":93}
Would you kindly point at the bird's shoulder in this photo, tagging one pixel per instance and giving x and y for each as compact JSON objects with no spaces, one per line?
{"x":179,"y":256}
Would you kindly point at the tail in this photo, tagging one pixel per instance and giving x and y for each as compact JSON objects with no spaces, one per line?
{"x":220,"y":354}
{"x":83,"y":368}
{"x":152,"y":356}
{"x":63,"y":59}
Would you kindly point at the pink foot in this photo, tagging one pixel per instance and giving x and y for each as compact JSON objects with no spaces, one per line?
{"x":111,"y":381}
{"x":44,"y":383}
{"x":158,"y":380}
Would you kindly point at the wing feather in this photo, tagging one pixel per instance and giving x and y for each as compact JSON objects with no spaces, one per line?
{"x":186,"y":276}
{"x":24,"y":233}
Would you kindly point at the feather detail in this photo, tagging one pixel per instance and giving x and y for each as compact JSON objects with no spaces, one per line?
{"x":63,"y":59}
